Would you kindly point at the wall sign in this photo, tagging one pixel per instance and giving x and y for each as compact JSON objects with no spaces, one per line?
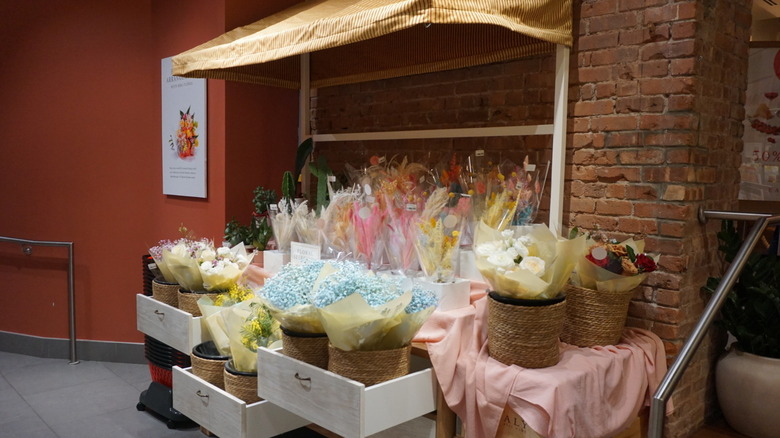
{"x":760,"y":169}
{"x":183,"y":134}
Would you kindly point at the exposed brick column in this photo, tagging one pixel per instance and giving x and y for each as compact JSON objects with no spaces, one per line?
{"x":657,"y":95}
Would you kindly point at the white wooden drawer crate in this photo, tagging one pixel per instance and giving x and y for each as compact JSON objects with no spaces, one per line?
{"x":169,"y":325}
{"x":342,"y":405}
{"x":225,"y":415}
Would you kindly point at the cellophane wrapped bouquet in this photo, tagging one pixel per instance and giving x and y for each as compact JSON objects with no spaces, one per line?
{"x":335,"y":225}
{"x":307,"y":225}
{"x":362,"y":310}
{"x":288,"y":296}
{"x":183,"y":260}
{"x":281,"y":215}
{"x":214,"y":311}
{"x":222,"y":267}
{"x":612,"y":266}
{"x":525,"y":262}
{"x":162,"y":266}
{"x":249,"y":326}
{"x":368,"y":219}
{"x":526,"y":182}
{"x":438,"y":234}
{"x":403,"y":194}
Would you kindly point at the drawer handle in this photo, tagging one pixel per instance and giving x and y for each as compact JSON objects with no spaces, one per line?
{"x":201,"y":395}
{"x":158,"y":313}
{"x":302,"y":379}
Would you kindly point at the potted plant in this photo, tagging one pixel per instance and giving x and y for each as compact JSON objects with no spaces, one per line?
{"x":257,"y":234}
{"x":748,"y":375}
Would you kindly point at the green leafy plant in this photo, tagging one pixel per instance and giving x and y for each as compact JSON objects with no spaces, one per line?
{"x":321,"y":171}
{"x":751,"y":312}
{"x":258,"y":232}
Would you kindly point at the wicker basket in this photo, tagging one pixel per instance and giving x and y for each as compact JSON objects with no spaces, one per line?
{"x":369,"y":367}
{"x":188,"y":301}
{"x":311,"y":348}
{"x":240,"y":384}
{"x":208,"y":364}
{"x":165,"y":292}
{"x":593,"y":317}
{"x":525,"y":332}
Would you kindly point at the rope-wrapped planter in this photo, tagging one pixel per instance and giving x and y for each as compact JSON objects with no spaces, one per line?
{"x":311,"y":348}
{"x":241,"y":384}
{"x":525,"y":332}
{"x":594,"y":317}
{"x":209,"y":364}
{"x":165,"y":292}
{"x":369,"y":367}
{"x":188,"y":301}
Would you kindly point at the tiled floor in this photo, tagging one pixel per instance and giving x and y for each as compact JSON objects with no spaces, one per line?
{"x":50,"y":398}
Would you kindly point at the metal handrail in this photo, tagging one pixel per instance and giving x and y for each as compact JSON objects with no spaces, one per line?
{"x":27,"y":249}
{"x":673,"y":375}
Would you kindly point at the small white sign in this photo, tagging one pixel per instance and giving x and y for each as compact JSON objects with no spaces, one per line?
{"x":303,"y":252}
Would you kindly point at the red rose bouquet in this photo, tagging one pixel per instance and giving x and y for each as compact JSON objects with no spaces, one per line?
{"x":613,"y":266}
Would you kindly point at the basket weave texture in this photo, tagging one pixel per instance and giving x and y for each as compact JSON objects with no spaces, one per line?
{"x":243,"y":387}
{"x":594,"y":317}
{"x":369,"y":367}
{"x":309,"y":349}
{"x":188,"y":301}
{"x":209,"y":370}
{"x":165,"y":292}
{"x":527,"y":336}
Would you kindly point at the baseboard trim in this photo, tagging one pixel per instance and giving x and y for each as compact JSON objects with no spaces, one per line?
{"x":55,"y":348}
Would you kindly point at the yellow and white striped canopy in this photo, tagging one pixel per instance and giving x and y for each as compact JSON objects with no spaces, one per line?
{"x":359,"y":40}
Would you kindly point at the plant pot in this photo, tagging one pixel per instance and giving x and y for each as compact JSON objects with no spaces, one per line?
{"x":369,"y":367}
{"x":188,"y":300}
{"x":748,"y":388}
{"x":209,"y":364}
{"x":165,"y":292}
{"x":241,"y":384}
{"x":594,"y":317}
{"x":311,"y":348}
{"x":525,"y":332}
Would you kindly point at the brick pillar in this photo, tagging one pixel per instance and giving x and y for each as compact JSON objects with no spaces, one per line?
{"x":657,"y":96}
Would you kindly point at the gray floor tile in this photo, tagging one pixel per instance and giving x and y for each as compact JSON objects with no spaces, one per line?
{"x":85,"y":400}
{"x":54,"y":374}
{"x":134,"y":374}
{"x":124,"y":423}
{"x":27,"y":428}
{"x":13,"y":361}
{"x":13,"y":407}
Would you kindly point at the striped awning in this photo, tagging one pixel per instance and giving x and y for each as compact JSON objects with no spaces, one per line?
{"x":360,"y":40}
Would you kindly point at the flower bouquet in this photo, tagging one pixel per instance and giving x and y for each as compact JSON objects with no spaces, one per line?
{"x":287,"y":295}
{"x":336,"y":227}
{"x":527,"y":267}
{"x":164,"y":285}
{"x":438,"y":234}
{"x":305,"y":222}
{"x":281,"y":216}
{"x":221,"y":268}
{"x":368,"y":218}
{"x":370,"y":320}
{"x":249,"y":326}
{"x":601,"y":290}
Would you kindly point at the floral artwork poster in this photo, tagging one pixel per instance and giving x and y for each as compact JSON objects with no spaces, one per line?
{"x":760,"y":169}
{"x":183,"y":134}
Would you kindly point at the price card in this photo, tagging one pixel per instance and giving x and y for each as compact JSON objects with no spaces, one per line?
{"x":302,"y":252}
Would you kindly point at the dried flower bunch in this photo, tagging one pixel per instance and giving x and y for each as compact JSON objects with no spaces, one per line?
{"x":619,"y":258}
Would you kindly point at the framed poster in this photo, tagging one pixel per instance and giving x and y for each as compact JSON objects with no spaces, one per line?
{"x":183,"y":134}
{"x":760,"y":169}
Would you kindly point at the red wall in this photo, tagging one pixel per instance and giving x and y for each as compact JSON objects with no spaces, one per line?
{"x":81,"y":160}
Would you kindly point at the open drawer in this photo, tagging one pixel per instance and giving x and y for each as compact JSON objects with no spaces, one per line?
{"x":169,"y":325}
{"x":225,"y":415}
{"x":342,"y":405}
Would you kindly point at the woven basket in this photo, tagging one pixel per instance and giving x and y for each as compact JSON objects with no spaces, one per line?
{"x":369,"y":367}
{"x":311,"y":348}
{"x":525,"y":332}
{"x":188,"y":301}
{"x":165,"y":292}
{"x":593,"y":317}
{"x":208,"y":364}
{"x":240,"y":384}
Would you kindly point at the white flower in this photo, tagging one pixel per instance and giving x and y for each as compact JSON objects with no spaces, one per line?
{"x":241,"y":261}
{"x":520,"y":247}
{"x":511,"y":252}
{"x":501,"y":259}
{"x":206,"y":265}
{"x":487,"y":248}
{"x":223,"y":251}
{"x":208,"y":254}
{"x":533,"y":264}
{"x":507,"y":234}
{"x":180,"y":250}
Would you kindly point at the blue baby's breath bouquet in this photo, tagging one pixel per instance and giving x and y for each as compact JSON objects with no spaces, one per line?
{"x":288,"y":297}
{"x":361,"y":310}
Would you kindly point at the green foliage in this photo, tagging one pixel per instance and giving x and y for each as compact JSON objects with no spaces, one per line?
{"x":321,"y":171}
{"x":263,"y":198}
{"x":235,"y":232}
{"x":751,"y":312}
{"x":258,"y":232}
{"x":302,"y":155}
{"x":288,"y":186}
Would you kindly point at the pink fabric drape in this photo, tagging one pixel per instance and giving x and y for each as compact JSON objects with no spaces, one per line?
{"x":591,"y":392}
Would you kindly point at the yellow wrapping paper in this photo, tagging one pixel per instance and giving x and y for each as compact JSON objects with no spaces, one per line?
{"x":560,"y":257}
{"x":222,"y":280}
{"x":244,"y":359}
{"x":215,"y":323}
{"x":183,"y":267}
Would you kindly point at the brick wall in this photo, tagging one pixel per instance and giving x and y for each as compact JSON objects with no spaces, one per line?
{"x":654,"y":132}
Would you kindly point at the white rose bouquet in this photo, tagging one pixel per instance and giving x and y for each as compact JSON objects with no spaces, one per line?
{"x":222,"y":267}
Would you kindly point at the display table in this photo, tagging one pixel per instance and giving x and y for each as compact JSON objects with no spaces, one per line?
{"x":591,"y":392}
